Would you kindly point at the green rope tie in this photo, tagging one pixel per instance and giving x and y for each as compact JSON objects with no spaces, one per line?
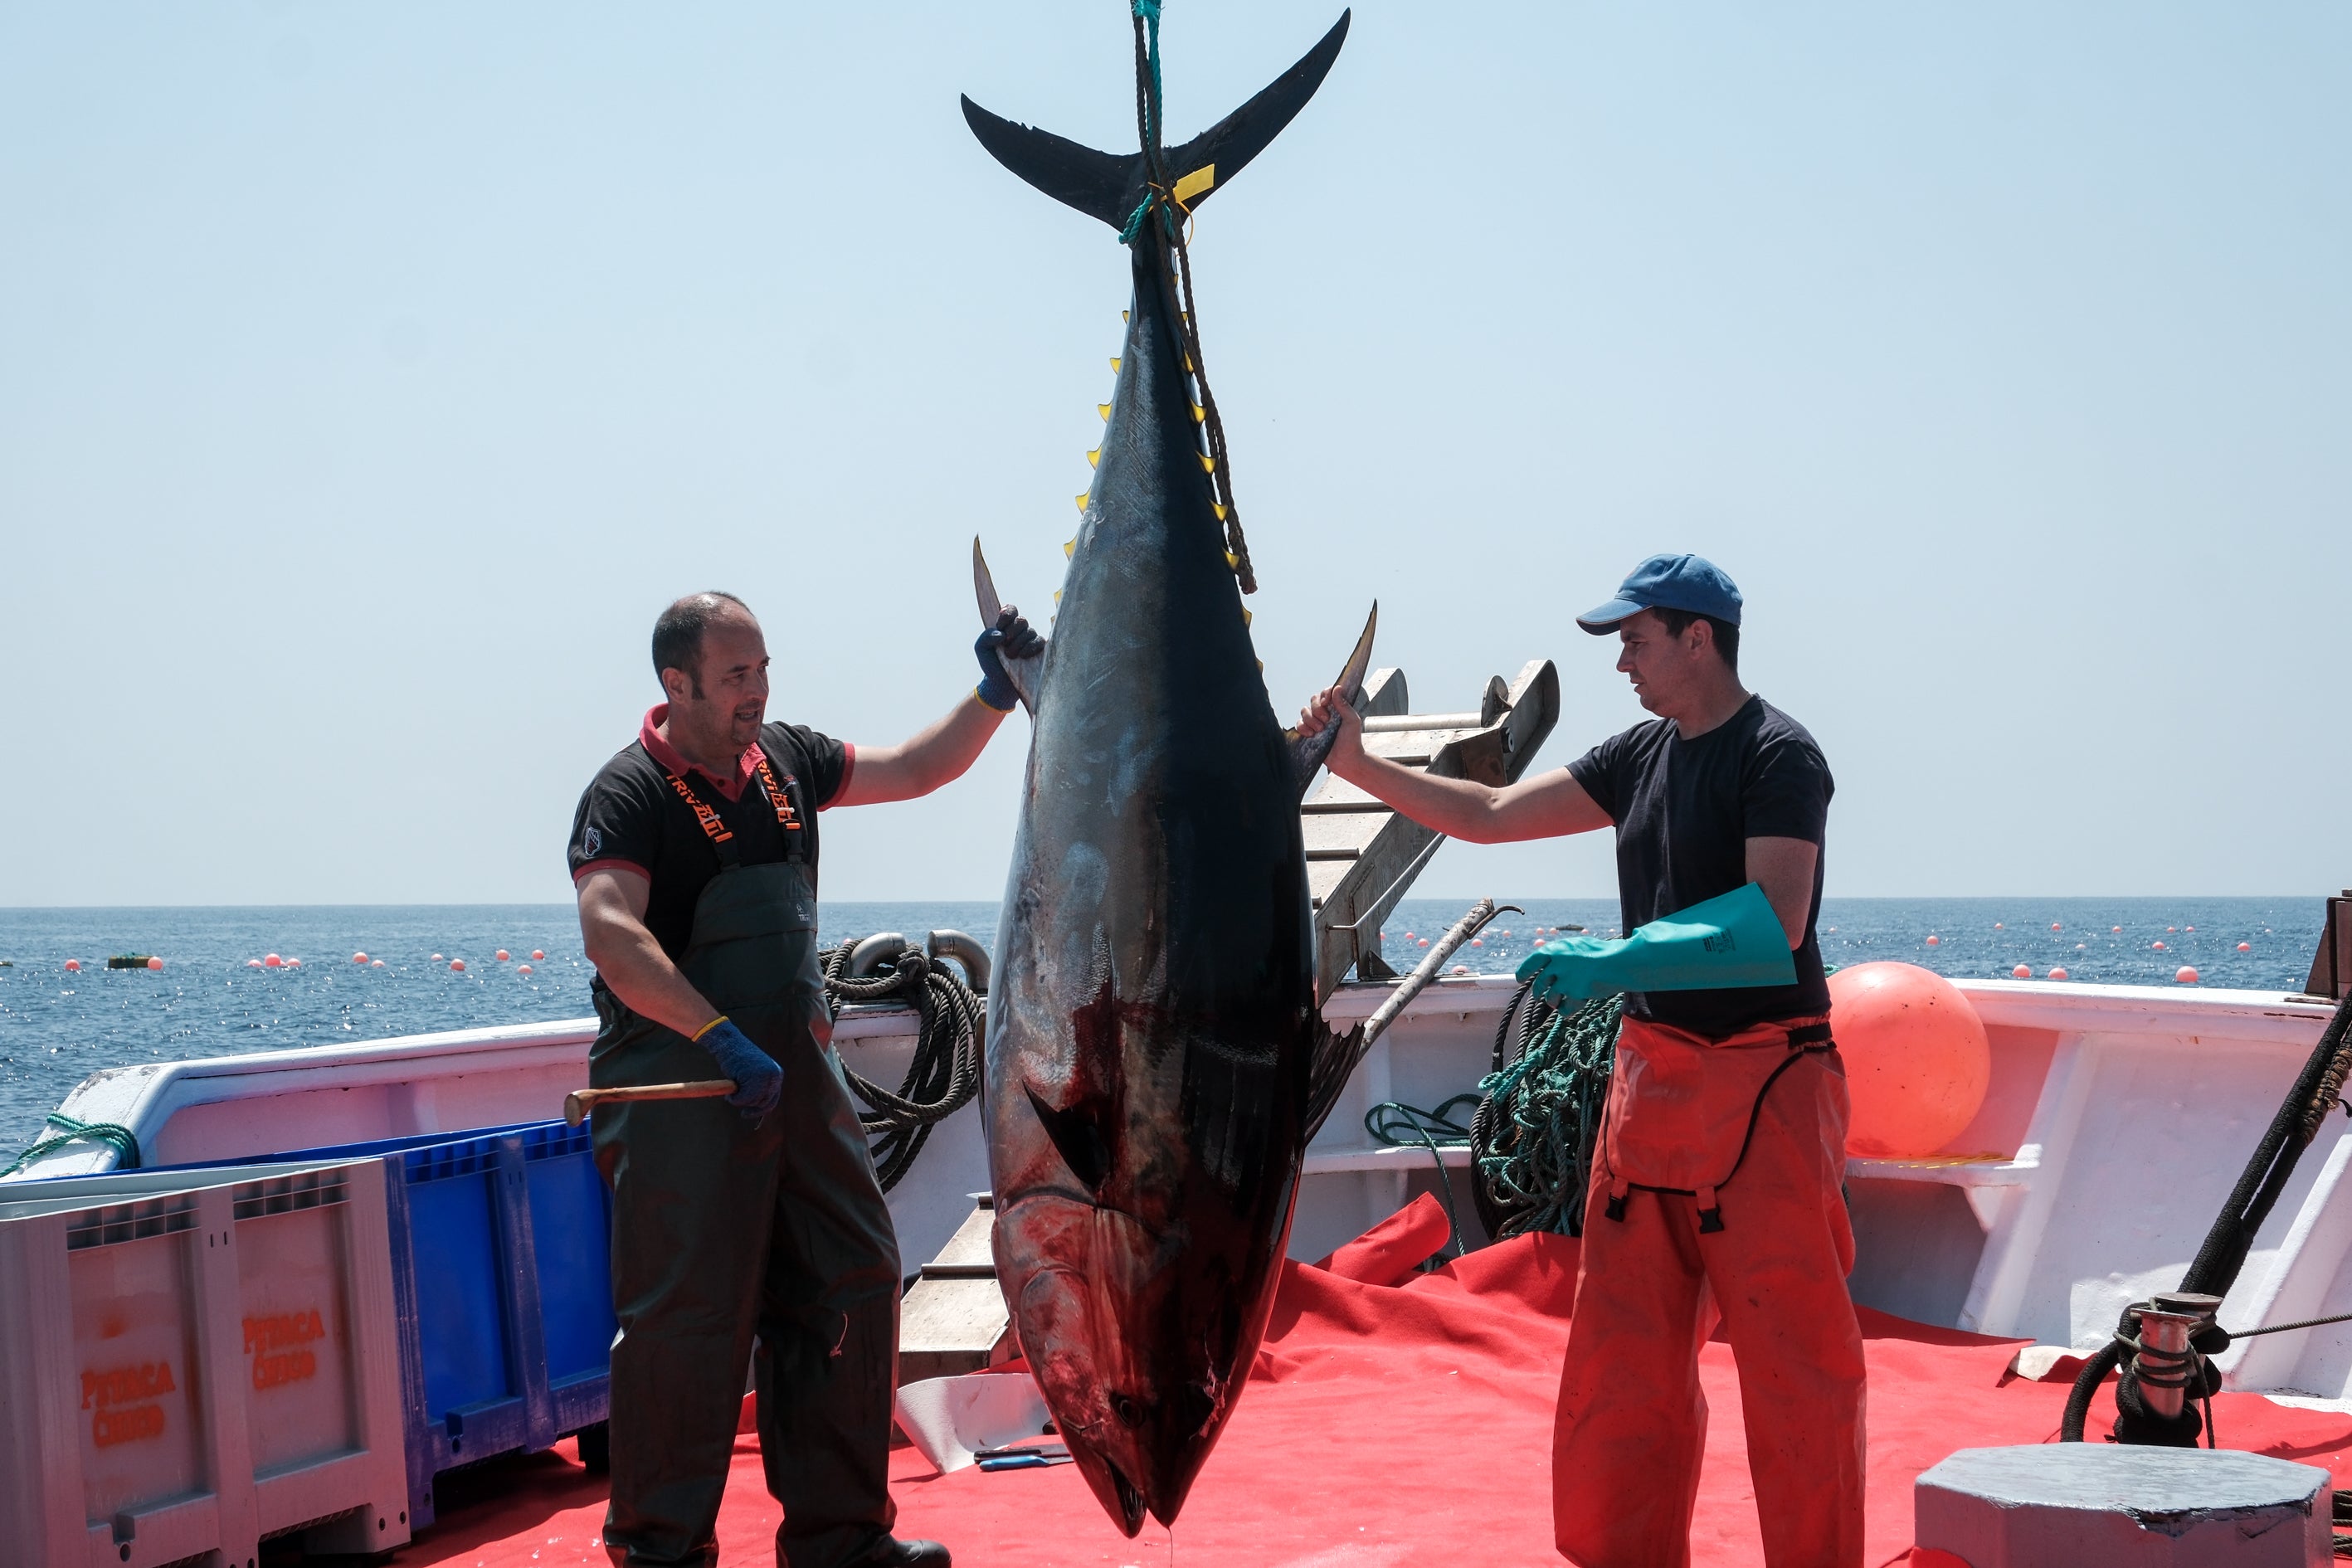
{"x":1396,"y":1124}
{"x":1547,"y":1109}
{"x":124,"y":1141}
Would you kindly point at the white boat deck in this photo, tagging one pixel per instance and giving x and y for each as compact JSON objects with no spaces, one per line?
{"x":2118,"y":1121}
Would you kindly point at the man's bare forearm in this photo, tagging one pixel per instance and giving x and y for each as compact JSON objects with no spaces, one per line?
{"x":637,"y":970}
{"x":1459,"y":808}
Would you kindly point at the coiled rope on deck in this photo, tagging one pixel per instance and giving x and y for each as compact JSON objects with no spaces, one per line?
{"x":945,"y":1072}
{"x":1534,"y":1136}
{"x":125,"y":1143}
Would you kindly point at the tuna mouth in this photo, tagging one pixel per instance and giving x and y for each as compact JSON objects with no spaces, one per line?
{"x":1131,"y":1501}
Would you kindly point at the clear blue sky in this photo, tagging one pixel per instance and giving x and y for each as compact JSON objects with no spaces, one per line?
{"x":370,"y":376}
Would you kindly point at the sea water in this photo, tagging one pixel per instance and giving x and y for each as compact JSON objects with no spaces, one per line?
{"x":57,"y":1028}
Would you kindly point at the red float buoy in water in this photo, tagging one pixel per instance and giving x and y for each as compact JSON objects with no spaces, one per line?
{"x":271,"y":961}
{"x":2055,"y":926}
{"x":375,"y":963}
{"x":154,"y":964}
{"x":523,"y":969}
{"x":1934,"y":941}
{"x":2245,"y":947}
{"x":502,"y":956}
{"x":2059,"y":973}
{"x":2157,"y":946}
{"x":293,"y":964}
{"x":1916,"y":1060}
{"x":73,"y":966}
{"x":457,"y":965}
{"x":2186,"y":976}
{"x":359,"y":958}
{"x":253,"y":963}
{"x":537,"y":957}
{"x":2023,"y":972}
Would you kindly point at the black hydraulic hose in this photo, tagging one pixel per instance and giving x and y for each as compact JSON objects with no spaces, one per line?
{"x":2215,"y":1269}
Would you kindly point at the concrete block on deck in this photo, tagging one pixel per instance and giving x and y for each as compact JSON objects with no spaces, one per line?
{"x":2058,"y":1505}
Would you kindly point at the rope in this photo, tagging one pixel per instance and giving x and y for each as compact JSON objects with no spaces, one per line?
{"x":1539,"y":1119}
{"x":945,"y":1072}
{"x":1173,"y":259}
{"x":2281,"y":1328}
{"x":1397,"y":1124}
{"x":124,"y":1141}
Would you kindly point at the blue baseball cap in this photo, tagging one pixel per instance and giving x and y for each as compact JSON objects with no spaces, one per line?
{"x":1690,"y":582}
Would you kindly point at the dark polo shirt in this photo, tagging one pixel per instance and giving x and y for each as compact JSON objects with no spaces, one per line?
{"x":631,"y":816}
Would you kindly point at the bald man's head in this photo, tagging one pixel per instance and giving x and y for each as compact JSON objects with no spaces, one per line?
{"x":678,"y":635}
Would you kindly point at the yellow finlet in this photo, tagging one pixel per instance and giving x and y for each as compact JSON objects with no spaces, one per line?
{"x":1233,"y":561}
{"x":1246,"y":619}
{"x":1188,"y":364}
{"x":1220,"y":507}
{"x":1194,"y":183}
{"x":1103,"y":409}
{"x":1208,"y":464}
{"x":1122,"y":315}
{"x":1057,"y":596}
{"x":1093,"y":459}
{"x":1114,"y":364}
{"x":1200,"y":414}
{"x":1082,"y":502}
{"x":1069,"y":548}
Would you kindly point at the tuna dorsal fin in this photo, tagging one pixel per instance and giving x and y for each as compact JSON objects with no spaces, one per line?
{"x":1308,"y":751}
{"x":1110,"y":185}
{"x":1077,"y":1135}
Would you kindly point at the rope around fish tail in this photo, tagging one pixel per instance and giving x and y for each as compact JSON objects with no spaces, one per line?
{"x":1176,"y":278}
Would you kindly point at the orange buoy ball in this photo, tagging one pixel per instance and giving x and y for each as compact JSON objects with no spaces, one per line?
{"x":1424,"y":942}
{"x":2192,"y":928}
{"x":2055,"y":926}
{"x":271,"y":961}
{"x":154,"y":964}
{"x":359,"y":958}
{"x":436,"y":958}
{"x":2157,"y":945}
{"x":293,"y":964}
{"x":2174,"y":930}
{"x":1935,"y":941}
{"x":1916,"y":1060}
{"x":375,"y":963}
{"x":2023,"y":972}
{"x":2245,"y":947}
{"x":1997,"y":926}
{"x":1478,"y":941}
{"x":457,"y":965}
{"x":537,"y":957}
{"x":1461,"y":969}
{"x":523,"y":969}
{"x":253,"y":963}
{"x":2117,"y":928}
{"x":2058,"y":974}
{"x":2186,"y":976}
{"x":73,"y":966}
{"x":502,"y":956}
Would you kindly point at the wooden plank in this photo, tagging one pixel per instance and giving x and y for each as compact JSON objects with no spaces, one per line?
{"x":1350,"y":831}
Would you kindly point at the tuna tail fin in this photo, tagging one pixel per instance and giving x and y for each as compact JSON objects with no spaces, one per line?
{"x":1111,"y":186}
{"x":1308,"y":751}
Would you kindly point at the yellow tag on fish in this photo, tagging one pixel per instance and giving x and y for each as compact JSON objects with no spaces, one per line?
{"x":1194,"y":183}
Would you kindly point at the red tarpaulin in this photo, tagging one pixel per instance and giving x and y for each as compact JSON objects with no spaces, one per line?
{"x":1393,"y":1418}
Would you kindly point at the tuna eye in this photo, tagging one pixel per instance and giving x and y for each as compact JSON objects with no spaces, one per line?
{"x":1127,"y":1410}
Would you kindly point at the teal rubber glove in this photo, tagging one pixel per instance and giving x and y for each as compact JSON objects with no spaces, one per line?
{"x":1732,"y":940}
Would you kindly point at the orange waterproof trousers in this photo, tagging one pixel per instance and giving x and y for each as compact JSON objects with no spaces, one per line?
{"x":1631,"y":1422}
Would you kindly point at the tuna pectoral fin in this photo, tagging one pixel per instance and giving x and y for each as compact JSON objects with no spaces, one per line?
{"x":1078,"y":1136}
{"x":1022,"y":673}
{"x":1109,"y":186}
{"x":1330,"y":1066}
{"x":1308,"y":751}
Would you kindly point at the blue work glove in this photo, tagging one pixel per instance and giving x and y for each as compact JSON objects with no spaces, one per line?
{"x":1732,"y":940}
{"x":759,"y":1081}
{"x":1010,"y":637}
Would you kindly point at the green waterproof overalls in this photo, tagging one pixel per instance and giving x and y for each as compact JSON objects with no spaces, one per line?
{"x":721,"y":1228}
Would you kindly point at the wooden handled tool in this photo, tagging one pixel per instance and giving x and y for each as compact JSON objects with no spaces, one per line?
{"x":580,"y":1101}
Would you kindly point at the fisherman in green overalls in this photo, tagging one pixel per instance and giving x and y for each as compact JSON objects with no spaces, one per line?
{"x":694,"y":855}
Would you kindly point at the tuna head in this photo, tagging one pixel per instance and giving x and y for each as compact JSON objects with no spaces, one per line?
{"x":1134,"y":1346}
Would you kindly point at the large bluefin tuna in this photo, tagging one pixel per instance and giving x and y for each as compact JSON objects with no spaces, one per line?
{"x":1152,"y":1028}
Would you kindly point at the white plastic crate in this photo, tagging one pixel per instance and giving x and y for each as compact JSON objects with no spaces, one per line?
{"x":192,"y":1361}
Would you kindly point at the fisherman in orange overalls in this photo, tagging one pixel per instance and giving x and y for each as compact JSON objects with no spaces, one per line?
{"x":1715,"y":1193}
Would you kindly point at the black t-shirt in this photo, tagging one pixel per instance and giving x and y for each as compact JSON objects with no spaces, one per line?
{"x":1684,"y":811}
{"x":630,"y":815}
